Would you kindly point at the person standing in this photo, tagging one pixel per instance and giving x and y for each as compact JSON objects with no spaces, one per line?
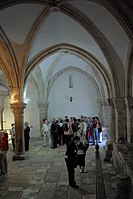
{"x":81,"y":154}
{"x":61,"y":133}
{"x":75,"y":126}
{"x":71,"y":160}
{"x":12,"y":133}
{"x":53,"y":135}
{"x":26,"y":135}
{"x":68,"y":132}
{"x":45,"y":131}
{"x":3,"y":151}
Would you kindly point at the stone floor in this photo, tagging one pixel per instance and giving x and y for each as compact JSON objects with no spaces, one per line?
{"x":43,"y":175}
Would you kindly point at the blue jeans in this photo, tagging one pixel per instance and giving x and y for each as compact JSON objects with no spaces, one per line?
{"x":96,"y":134}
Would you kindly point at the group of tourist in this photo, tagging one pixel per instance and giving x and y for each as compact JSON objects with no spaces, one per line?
{"x":76,"y":134}
{"x":60,"y":132}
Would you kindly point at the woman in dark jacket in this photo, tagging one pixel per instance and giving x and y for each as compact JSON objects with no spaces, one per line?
{"x":71,"y":160}
{"x":26,"y":136}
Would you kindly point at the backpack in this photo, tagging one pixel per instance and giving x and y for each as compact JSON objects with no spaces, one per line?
{"x":65,"y":127}
{"x":74,"y":127}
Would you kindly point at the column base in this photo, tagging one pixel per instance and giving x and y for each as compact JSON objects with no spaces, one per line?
{"x":18,"y":157}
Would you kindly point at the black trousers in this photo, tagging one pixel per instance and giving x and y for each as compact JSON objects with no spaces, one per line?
{"x":71,"y":171}
{"x":81,"y":160}
{"x":13,"y":143}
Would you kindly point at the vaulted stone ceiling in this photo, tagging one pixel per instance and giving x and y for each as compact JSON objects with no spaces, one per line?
{"x":94,"y":37}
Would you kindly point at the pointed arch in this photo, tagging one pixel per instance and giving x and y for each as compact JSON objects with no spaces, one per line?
{"x":8,"y":62}
{"x":54,"y":78}
{"x":129,"y":72}
{"x":79,"y":52}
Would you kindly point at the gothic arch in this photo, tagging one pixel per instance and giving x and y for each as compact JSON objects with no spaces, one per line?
{"x":79,"y":52}
{"x":54,"y":78}
{"x":8,"y":63}
{"x":113,"y":60}
{"x":129,"y":72}
{"x":114,"y":7}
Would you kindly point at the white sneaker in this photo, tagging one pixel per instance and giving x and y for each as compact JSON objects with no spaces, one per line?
{"x":81,"y":171}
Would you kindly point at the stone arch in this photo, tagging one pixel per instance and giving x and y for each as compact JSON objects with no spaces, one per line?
{"x":105,"y":46}
{"x":8,"y":63}
{"x":129,"y":72}
{"x":39,"y":78}
{"x":53,"y":79}
{"x":108,"y":51}
{"x":113,"y":8}
{"x":81,"y":53}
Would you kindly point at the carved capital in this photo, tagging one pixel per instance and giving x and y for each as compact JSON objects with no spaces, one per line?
{"x":110,"y":102}
{"x":15,"y":94}
{"x":119,"y":103}
{"x":129,"y":102}
{"x":104,"y":103}
{"x":18,"y":107}
{"x":41,"y":105}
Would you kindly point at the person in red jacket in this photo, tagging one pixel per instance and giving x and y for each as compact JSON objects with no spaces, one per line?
{"x":3,"y":151}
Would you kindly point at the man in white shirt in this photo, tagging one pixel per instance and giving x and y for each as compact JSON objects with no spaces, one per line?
{"x":45,"y":131}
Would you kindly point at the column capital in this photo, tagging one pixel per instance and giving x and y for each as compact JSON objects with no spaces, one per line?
{"x":41,"y":104}
{"x":18,"y":107}
{"x":129,"y":102}
{"x":119,"y":102}
{"x":104,"y":102}
{"x":110,"y":101}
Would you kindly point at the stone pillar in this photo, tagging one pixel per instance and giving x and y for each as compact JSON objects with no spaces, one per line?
{"x":18,"y":110}
{"x":120,"y":118}
{"x":100,"y":115}
{"x":42,"y":113}
{"x":112,"y":120}
{"x":3,"y":94}
{"x":129,"y":109}
{"x":1,"y":116}
{"x":104,"y":112}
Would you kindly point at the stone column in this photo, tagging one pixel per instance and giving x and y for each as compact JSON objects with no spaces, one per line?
{"x":100,"y":115}
{"x":104,"y":112}
{"x":3,"y":94}
{"x":112,"y":120}
{"x":120,"y":118}
{"x":18,"y":110}
{"x":42,"y":106}
{"x":129,"y":109}
{"x":1,"y":116}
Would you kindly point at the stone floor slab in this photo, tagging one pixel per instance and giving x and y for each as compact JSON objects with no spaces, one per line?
{"x":43,"y":175}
